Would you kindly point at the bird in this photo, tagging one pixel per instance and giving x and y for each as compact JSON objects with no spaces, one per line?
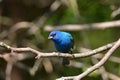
{"x":63,"y":42}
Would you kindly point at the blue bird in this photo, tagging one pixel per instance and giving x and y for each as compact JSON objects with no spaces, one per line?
{"x":63,"y":42}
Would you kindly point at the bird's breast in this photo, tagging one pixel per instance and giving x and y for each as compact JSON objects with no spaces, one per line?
{"x":63,"y":47}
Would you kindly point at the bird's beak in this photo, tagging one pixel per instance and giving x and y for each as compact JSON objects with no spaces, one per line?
{"x":50,"y":37}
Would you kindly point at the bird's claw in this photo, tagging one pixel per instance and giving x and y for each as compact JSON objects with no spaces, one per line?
{"x":58,"y":54}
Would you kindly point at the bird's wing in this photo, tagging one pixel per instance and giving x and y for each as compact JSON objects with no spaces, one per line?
{"x":72,"y":40}
{"x":69,"y":36}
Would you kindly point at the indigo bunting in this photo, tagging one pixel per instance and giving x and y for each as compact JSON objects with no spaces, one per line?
{"x":63,"y":43}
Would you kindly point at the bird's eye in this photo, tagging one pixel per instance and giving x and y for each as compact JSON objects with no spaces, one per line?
{"x":54,"y":35}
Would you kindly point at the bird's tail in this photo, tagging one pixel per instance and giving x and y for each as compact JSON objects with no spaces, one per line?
{"x":65,"y":61}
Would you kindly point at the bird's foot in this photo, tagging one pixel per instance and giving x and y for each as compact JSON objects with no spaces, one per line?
{"x":58,"y":54}
{"x":73,"y":55}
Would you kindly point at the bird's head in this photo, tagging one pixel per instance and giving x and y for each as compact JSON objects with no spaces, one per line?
{"x":54,"y":35}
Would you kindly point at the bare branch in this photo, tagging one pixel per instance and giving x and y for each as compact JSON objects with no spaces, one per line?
{"x":100,"y":55}
{"x":102,"y":61}
{"x":114,"y":45}
{"x":73,"y":27}
{"x":96,"y":66}
{"x":76,"y":55}
{"x":8,"y":70}
{"x":112,"y":76}
{"x":35,"y":67}
{"x":41,"y":54}
{"x":115,"y":13}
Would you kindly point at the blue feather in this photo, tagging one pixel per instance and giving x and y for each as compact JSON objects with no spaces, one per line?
{"x":63,"y":42}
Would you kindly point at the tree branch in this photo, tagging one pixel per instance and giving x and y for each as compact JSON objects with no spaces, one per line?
{"x":54,"y":54}
{"x":96,"y":66}
{"x":114,"y":45}
{"x":73,"y":27}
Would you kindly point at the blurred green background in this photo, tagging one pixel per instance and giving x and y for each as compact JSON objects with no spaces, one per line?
{"x":22,"y":24}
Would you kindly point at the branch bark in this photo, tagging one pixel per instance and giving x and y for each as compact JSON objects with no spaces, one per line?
{"x":55,"y":54}
{"x":113,"y":47}
{"x":96,"y":66}
{"x":73,"y":27}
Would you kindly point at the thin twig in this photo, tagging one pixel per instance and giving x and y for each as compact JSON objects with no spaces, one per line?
{"x":35,"y":67}
{"x":101,"y":62}
{"x":101,"y":70}
{"x":73,"y":27}
{"x":93,"y":52}
{"x":112,"y":76}
{"x":96,"y":66}
{"x":54,"y":54}
{"x":100,"y":55}
{"x":115,"y":13}
{"x":9,"y":70}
